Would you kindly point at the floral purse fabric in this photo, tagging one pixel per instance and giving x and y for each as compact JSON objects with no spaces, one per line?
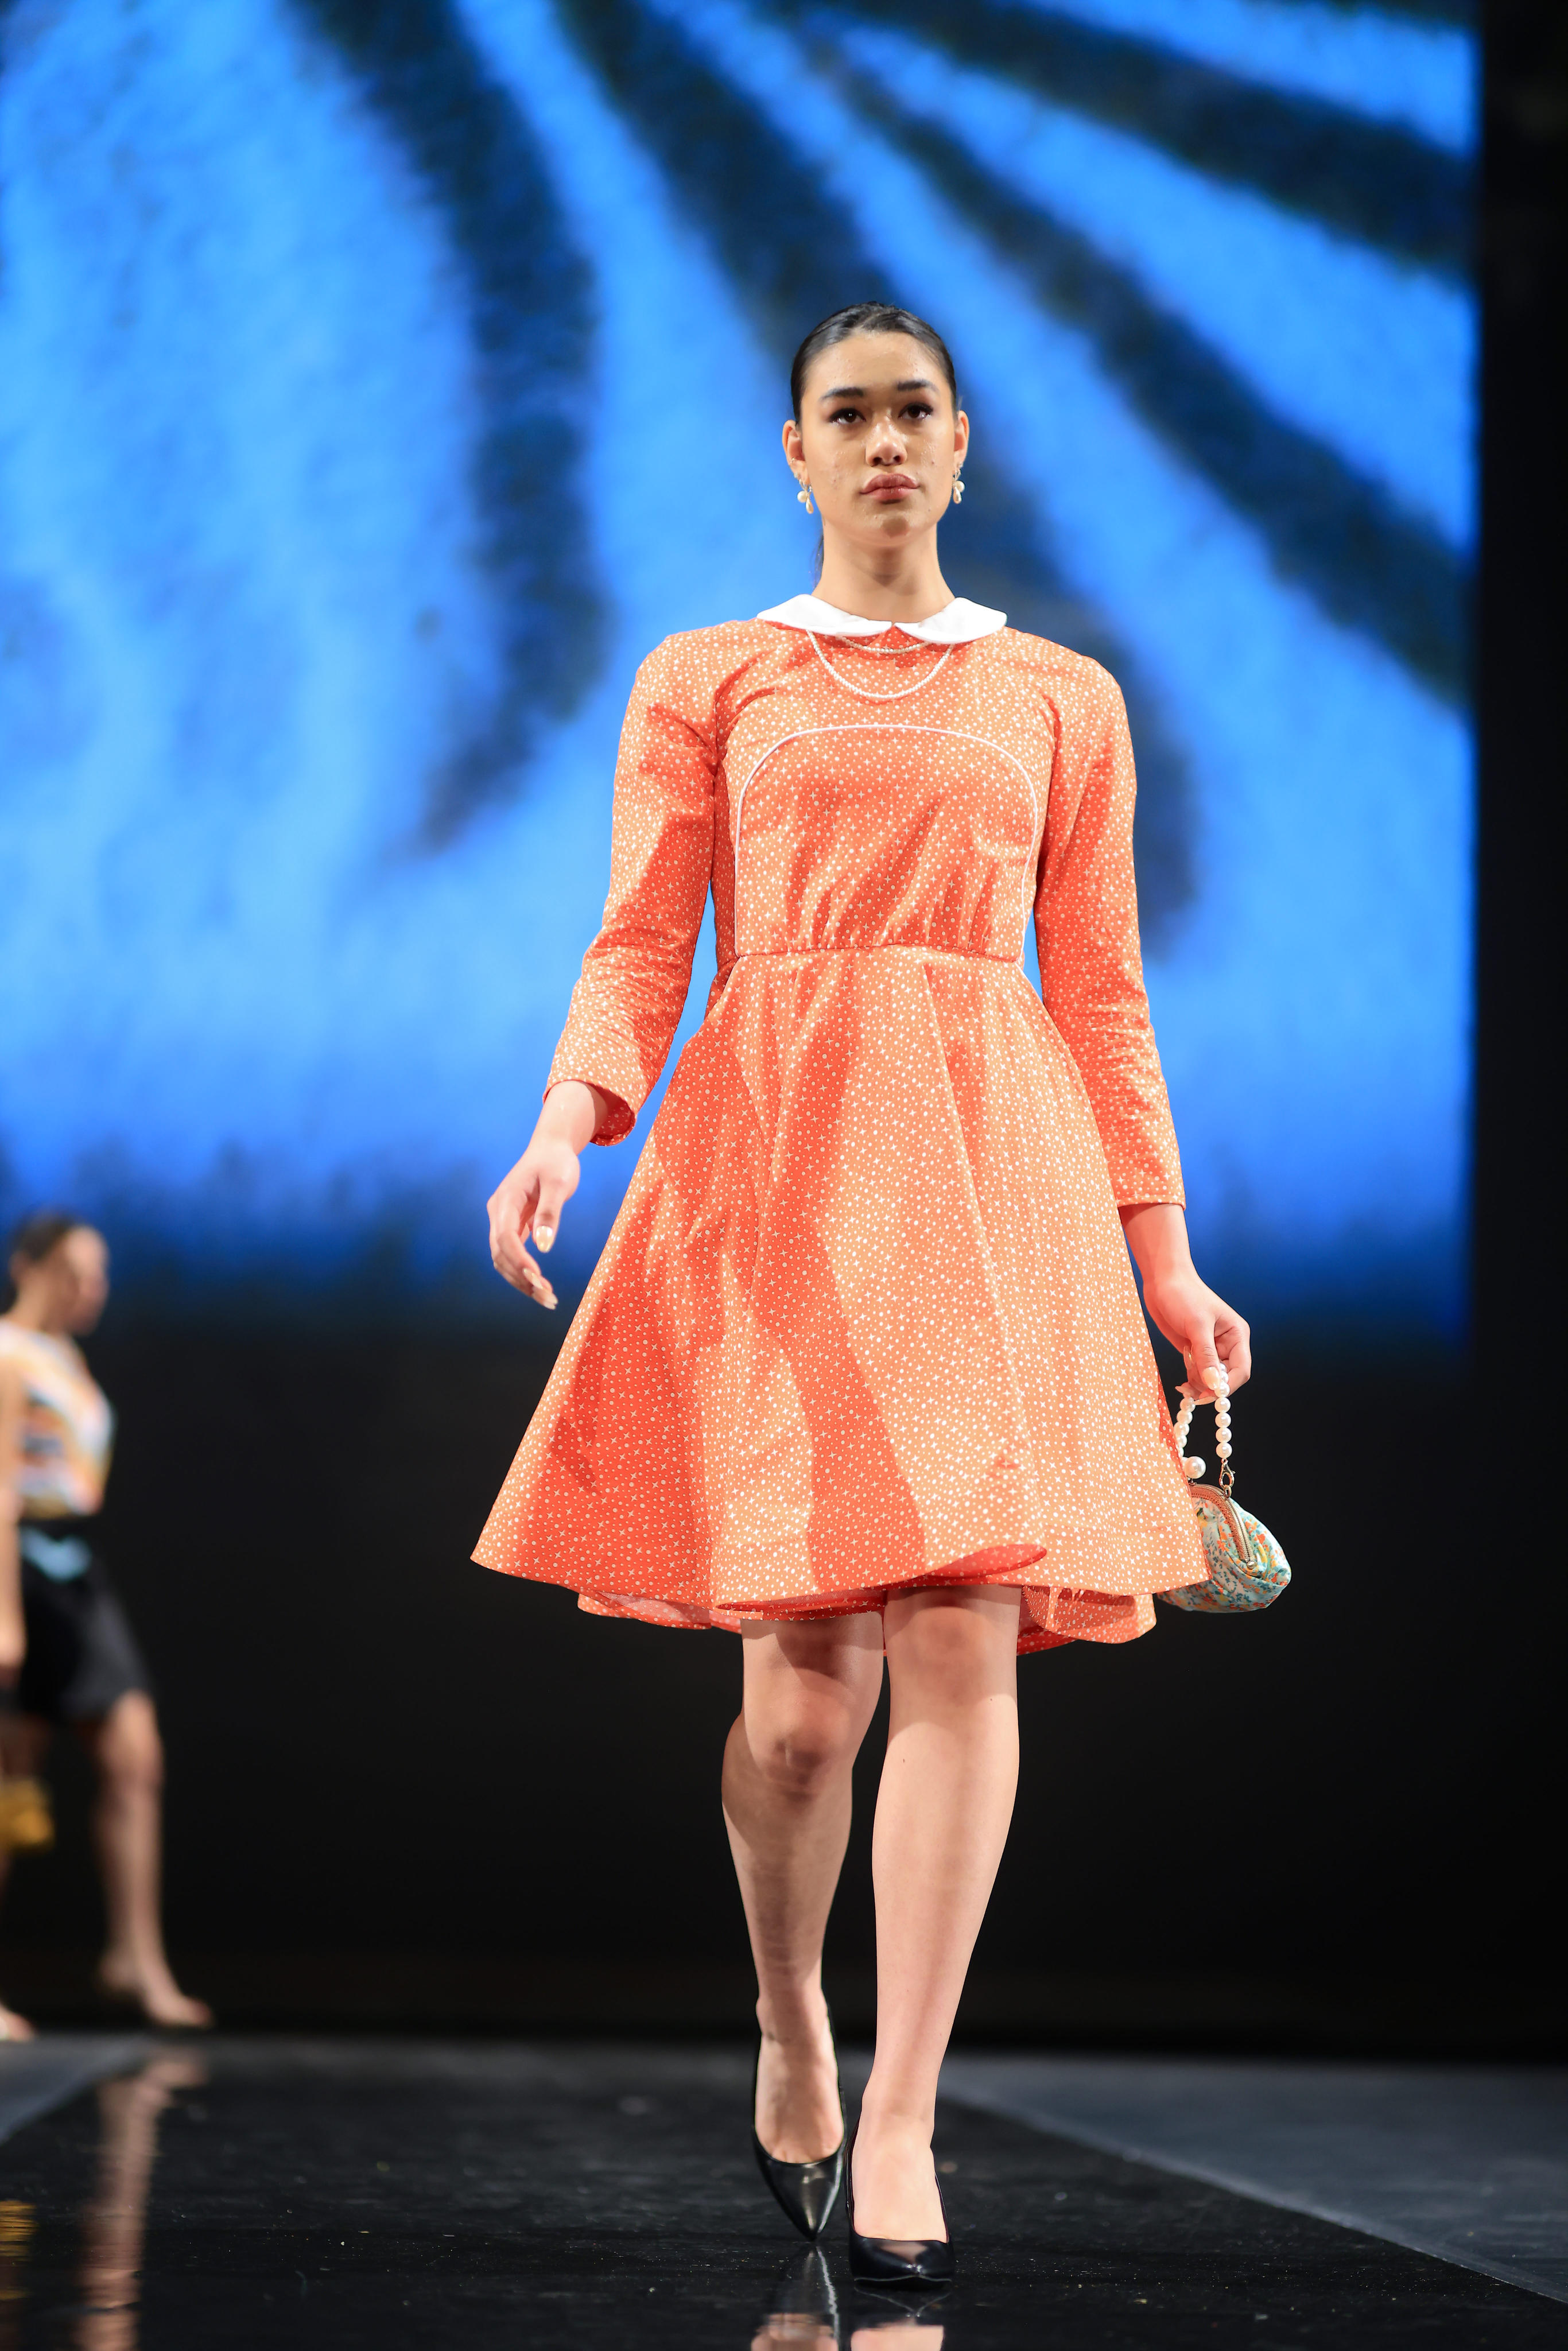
{"x":1247,"y":1569}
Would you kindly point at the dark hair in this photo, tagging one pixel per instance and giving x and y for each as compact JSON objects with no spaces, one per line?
{"x":40,"y":1235}
{"x":867,"y":318}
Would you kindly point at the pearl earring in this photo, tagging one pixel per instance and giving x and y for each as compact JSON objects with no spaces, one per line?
{"x":957,"y":489}
{"x":803,"y":496}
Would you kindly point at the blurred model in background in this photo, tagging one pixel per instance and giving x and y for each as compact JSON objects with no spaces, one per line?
{"x":67,"y":1654}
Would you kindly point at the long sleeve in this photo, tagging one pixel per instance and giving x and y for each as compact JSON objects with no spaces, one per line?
{"x":626,"y":1006}
{"x":1086,"y":927}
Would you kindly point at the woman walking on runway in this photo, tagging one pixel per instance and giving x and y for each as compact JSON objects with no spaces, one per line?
{"x":862,"y":1374}
{"x":67,"y":1651}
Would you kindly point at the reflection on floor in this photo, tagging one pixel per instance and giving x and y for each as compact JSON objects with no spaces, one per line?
{"x":427,"y":2193}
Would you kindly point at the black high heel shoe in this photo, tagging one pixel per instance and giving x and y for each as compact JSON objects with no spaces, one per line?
{"x":923,"y":2262}
{"x":807,"y":2192}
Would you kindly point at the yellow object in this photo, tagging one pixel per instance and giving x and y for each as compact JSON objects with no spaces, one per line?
{"x":26,"y":1816}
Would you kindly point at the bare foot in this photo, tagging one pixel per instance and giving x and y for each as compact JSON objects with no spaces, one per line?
{"x":13,"y":2027}
{"x":155,"y":1991}
{"x":799,"y":2117}
{"x":895,"y":2181}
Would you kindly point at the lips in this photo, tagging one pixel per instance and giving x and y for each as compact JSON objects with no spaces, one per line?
{"x":889,"y":485}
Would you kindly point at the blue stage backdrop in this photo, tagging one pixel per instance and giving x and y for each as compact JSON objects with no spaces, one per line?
{"x":379,"y":382}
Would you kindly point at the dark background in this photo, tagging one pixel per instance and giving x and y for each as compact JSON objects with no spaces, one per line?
{"x":404,"y":1790}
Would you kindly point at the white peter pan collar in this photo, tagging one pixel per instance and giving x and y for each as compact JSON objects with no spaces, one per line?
{"x":958,"y":624}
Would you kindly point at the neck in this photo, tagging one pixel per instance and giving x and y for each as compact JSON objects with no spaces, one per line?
{"x":899,"y":583}
{"x":28,"y":1315}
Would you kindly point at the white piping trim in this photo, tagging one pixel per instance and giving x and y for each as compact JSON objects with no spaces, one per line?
{"x":896,"y":726}
{"x":865,"y":692}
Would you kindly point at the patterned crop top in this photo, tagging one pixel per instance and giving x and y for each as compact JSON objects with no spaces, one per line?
{"x":67,"y":1426}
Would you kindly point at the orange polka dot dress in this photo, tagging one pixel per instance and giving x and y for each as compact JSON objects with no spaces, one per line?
{"x":866,"y":1321}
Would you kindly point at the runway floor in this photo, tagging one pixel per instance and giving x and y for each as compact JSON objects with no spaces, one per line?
{"x":428,"y":2193}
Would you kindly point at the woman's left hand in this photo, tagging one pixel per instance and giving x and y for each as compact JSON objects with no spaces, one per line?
{"x":1212,"y":1336}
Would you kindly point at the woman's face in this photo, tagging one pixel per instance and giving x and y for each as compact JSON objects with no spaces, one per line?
{"x":877,"y":440}
{"x":85,"y":1255}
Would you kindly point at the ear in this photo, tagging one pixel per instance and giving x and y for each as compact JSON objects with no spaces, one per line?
{"x":794,"y":447}
{"x":960,"y":436}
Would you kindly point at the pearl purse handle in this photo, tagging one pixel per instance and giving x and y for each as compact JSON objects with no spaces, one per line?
{"x":1183,"y":1429}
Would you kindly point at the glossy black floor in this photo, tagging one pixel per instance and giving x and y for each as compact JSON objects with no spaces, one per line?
{"x":434,"y":2194}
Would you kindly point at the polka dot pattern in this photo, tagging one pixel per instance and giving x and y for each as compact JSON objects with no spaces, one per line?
{"x":866,"y":1319}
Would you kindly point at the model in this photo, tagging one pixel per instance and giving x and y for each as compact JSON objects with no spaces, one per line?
{"x":67,"y":1654}
{"x":861,"y":1372}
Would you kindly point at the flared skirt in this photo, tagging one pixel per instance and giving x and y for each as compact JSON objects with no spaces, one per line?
{"x":865,"y":1322}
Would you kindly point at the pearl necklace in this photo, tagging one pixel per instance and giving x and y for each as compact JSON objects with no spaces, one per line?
{"x":865,"y":692}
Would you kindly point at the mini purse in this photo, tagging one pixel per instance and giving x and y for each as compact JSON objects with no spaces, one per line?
{"x":1247,"y":1569}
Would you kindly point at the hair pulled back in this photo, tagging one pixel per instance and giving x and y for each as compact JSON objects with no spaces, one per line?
{"x":867,"y":318}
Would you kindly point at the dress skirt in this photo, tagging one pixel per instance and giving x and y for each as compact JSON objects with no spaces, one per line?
{"x":865,"y":1322}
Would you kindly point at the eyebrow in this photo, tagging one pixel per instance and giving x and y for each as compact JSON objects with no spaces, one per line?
{"x":857,"y":390}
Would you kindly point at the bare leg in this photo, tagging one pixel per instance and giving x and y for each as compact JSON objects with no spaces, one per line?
{"x":942,"y":1817}
{"x":810,"y":1692}
{"x":24,"y":1744}
{"x":127,"y":1824}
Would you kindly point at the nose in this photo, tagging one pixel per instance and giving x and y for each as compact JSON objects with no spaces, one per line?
{"x":885,"y":446}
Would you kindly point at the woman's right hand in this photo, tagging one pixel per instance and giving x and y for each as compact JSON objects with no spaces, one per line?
{"x":529,"y":1199}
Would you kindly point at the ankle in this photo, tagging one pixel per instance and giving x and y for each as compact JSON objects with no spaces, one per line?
{"x":886,"y":2119}
{"x":794,"y":2020}
{"x":134,"y":1964}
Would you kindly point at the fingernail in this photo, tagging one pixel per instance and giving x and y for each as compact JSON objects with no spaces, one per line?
{"x":544,"y":1236}
{"x":1212,"y":1376}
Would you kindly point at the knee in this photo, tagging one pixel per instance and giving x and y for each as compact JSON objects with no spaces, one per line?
{"x":954,"y":1652}
{"x":130,"y":1751}
{"x":802,"y":1751}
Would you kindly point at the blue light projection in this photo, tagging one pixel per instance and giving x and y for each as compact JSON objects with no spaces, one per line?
{"x":379,"y":382}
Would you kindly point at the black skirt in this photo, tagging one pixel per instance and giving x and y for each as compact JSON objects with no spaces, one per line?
{"x":81,"y":1653}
